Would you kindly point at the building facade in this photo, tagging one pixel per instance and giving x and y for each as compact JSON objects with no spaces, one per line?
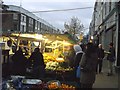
{"x":16,"y":19}
{"x":104,"y":27}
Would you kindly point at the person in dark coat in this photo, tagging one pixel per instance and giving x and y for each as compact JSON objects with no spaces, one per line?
{"x":77,"y":59}
{"x":37,"y":64}
{"x":88,"y":65}
{"x":111,"y":59}
{"x":19,"y":62}
{"x":100,"y":58}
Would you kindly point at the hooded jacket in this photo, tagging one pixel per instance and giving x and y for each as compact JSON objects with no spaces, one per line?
{"x":79,"y":52}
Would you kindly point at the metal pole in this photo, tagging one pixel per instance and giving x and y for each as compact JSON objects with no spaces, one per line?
{"x":117,"y":63}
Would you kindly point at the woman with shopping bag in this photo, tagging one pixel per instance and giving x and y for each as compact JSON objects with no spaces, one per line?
{"x":77,"y":59}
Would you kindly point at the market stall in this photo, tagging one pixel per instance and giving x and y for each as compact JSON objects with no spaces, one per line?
{"x":57,"y":50}
{"x":55,"y":47}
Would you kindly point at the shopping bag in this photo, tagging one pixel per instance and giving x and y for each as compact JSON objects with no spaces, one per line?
{"x":78,"y":72}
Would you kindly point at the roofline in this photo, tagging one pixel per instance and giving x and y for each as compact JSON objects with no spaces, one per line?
{"x":28,"y":13}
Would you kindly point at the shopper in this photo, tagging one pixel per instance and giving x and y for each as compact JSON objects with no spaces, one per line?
{"x":37,"y":64}
{"x":100,"y":58}
{"x":111,"y":58}
{"x":78,"y":55}
{"x":77,"y":59}
{"x":88,"y":65}
{"x":19,"y":62}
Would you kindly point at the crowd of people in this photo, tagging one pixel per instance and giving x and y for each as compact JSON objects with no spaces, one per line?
{"x":89,"y":59}
{"x":34,"y":64}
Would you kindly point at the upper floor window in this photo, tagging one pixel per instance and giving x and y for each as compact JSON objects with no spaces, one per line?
{"x":30,"y":20}
{"x":23,"y":18}
{"x":36,"y":23}
{"x":105,"y":9}
{"x":109,"y":6}
{"x":15,"y":16}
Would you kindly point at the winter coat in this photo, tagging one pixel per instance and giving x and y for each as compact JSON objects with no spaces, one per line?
{"x":88,"y":68}
{"x":36,"y":59}
{"x":101,"y":53}
{"x":79,"y":52}
{"x":19,"y":63}
{"x":37,"y":64}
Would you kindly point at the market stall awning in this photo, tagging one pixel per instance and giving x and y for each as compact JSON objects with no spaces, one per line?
{"x":30,"y":37}
{"x":60,"y":37}
{"x":39,"y":37}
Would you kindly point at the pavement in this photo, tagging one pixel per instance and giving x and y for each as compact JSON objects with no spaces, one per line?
{"x":104,"y":81}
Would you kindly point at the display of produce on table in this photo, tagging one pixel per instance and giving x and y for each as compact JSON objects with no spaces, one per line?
{"x":48,"y":58}
{"x":19,"y":83}
{"x":58,"y":66}
{"x":54,"y":84}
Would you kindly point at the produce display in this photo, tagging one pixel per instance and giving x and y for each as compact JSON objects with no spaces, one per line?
{"x":33,"y":84}
{"x":61,"y":87}
{"x":58,"y":66}
{"x":48,"y":58}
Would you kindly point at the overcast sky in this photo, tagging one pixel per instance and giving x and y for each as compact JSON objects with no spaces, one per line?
{"x":57,"y":19}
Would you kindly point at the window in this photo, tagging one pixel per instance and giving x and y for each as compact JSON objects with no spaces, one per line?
{"x":105,"y":9}
{"x":36,"y":23}
{"x":15,"y":27}
{"x":109,"y":6}
{"x":30,"y":20}
{"x":15,"y":16}
{"x":23,"y":18}
{"x":22,"y":27}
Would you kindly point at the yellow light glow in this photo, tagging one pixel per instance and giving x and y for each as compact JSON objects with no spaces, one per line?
{"x":35,"y":36}
{"x":66,"y":43}
{"x":36,"y":43}
{"x":60,"y":59}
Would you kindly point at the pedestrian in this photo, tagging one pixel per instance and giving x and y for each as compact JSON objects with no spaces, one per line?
{"x":78,"y":55}
{"x":77,"y":59}
{"x":111,"y":59}
{"x":19,"y":62}
{"x":100,"y":58}
{"x":88,"y":65}
{"x":37,"y":63}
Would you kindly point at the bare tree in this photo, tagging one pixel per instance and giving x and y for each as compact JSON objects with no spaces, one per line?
{"x":74,"y":26}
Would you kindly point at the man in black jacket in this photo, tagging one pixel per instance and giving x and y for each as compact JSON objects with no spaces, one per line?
{"x":19,"y":62}
{"x":37,"y":63}
{"x":100,"y":58}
